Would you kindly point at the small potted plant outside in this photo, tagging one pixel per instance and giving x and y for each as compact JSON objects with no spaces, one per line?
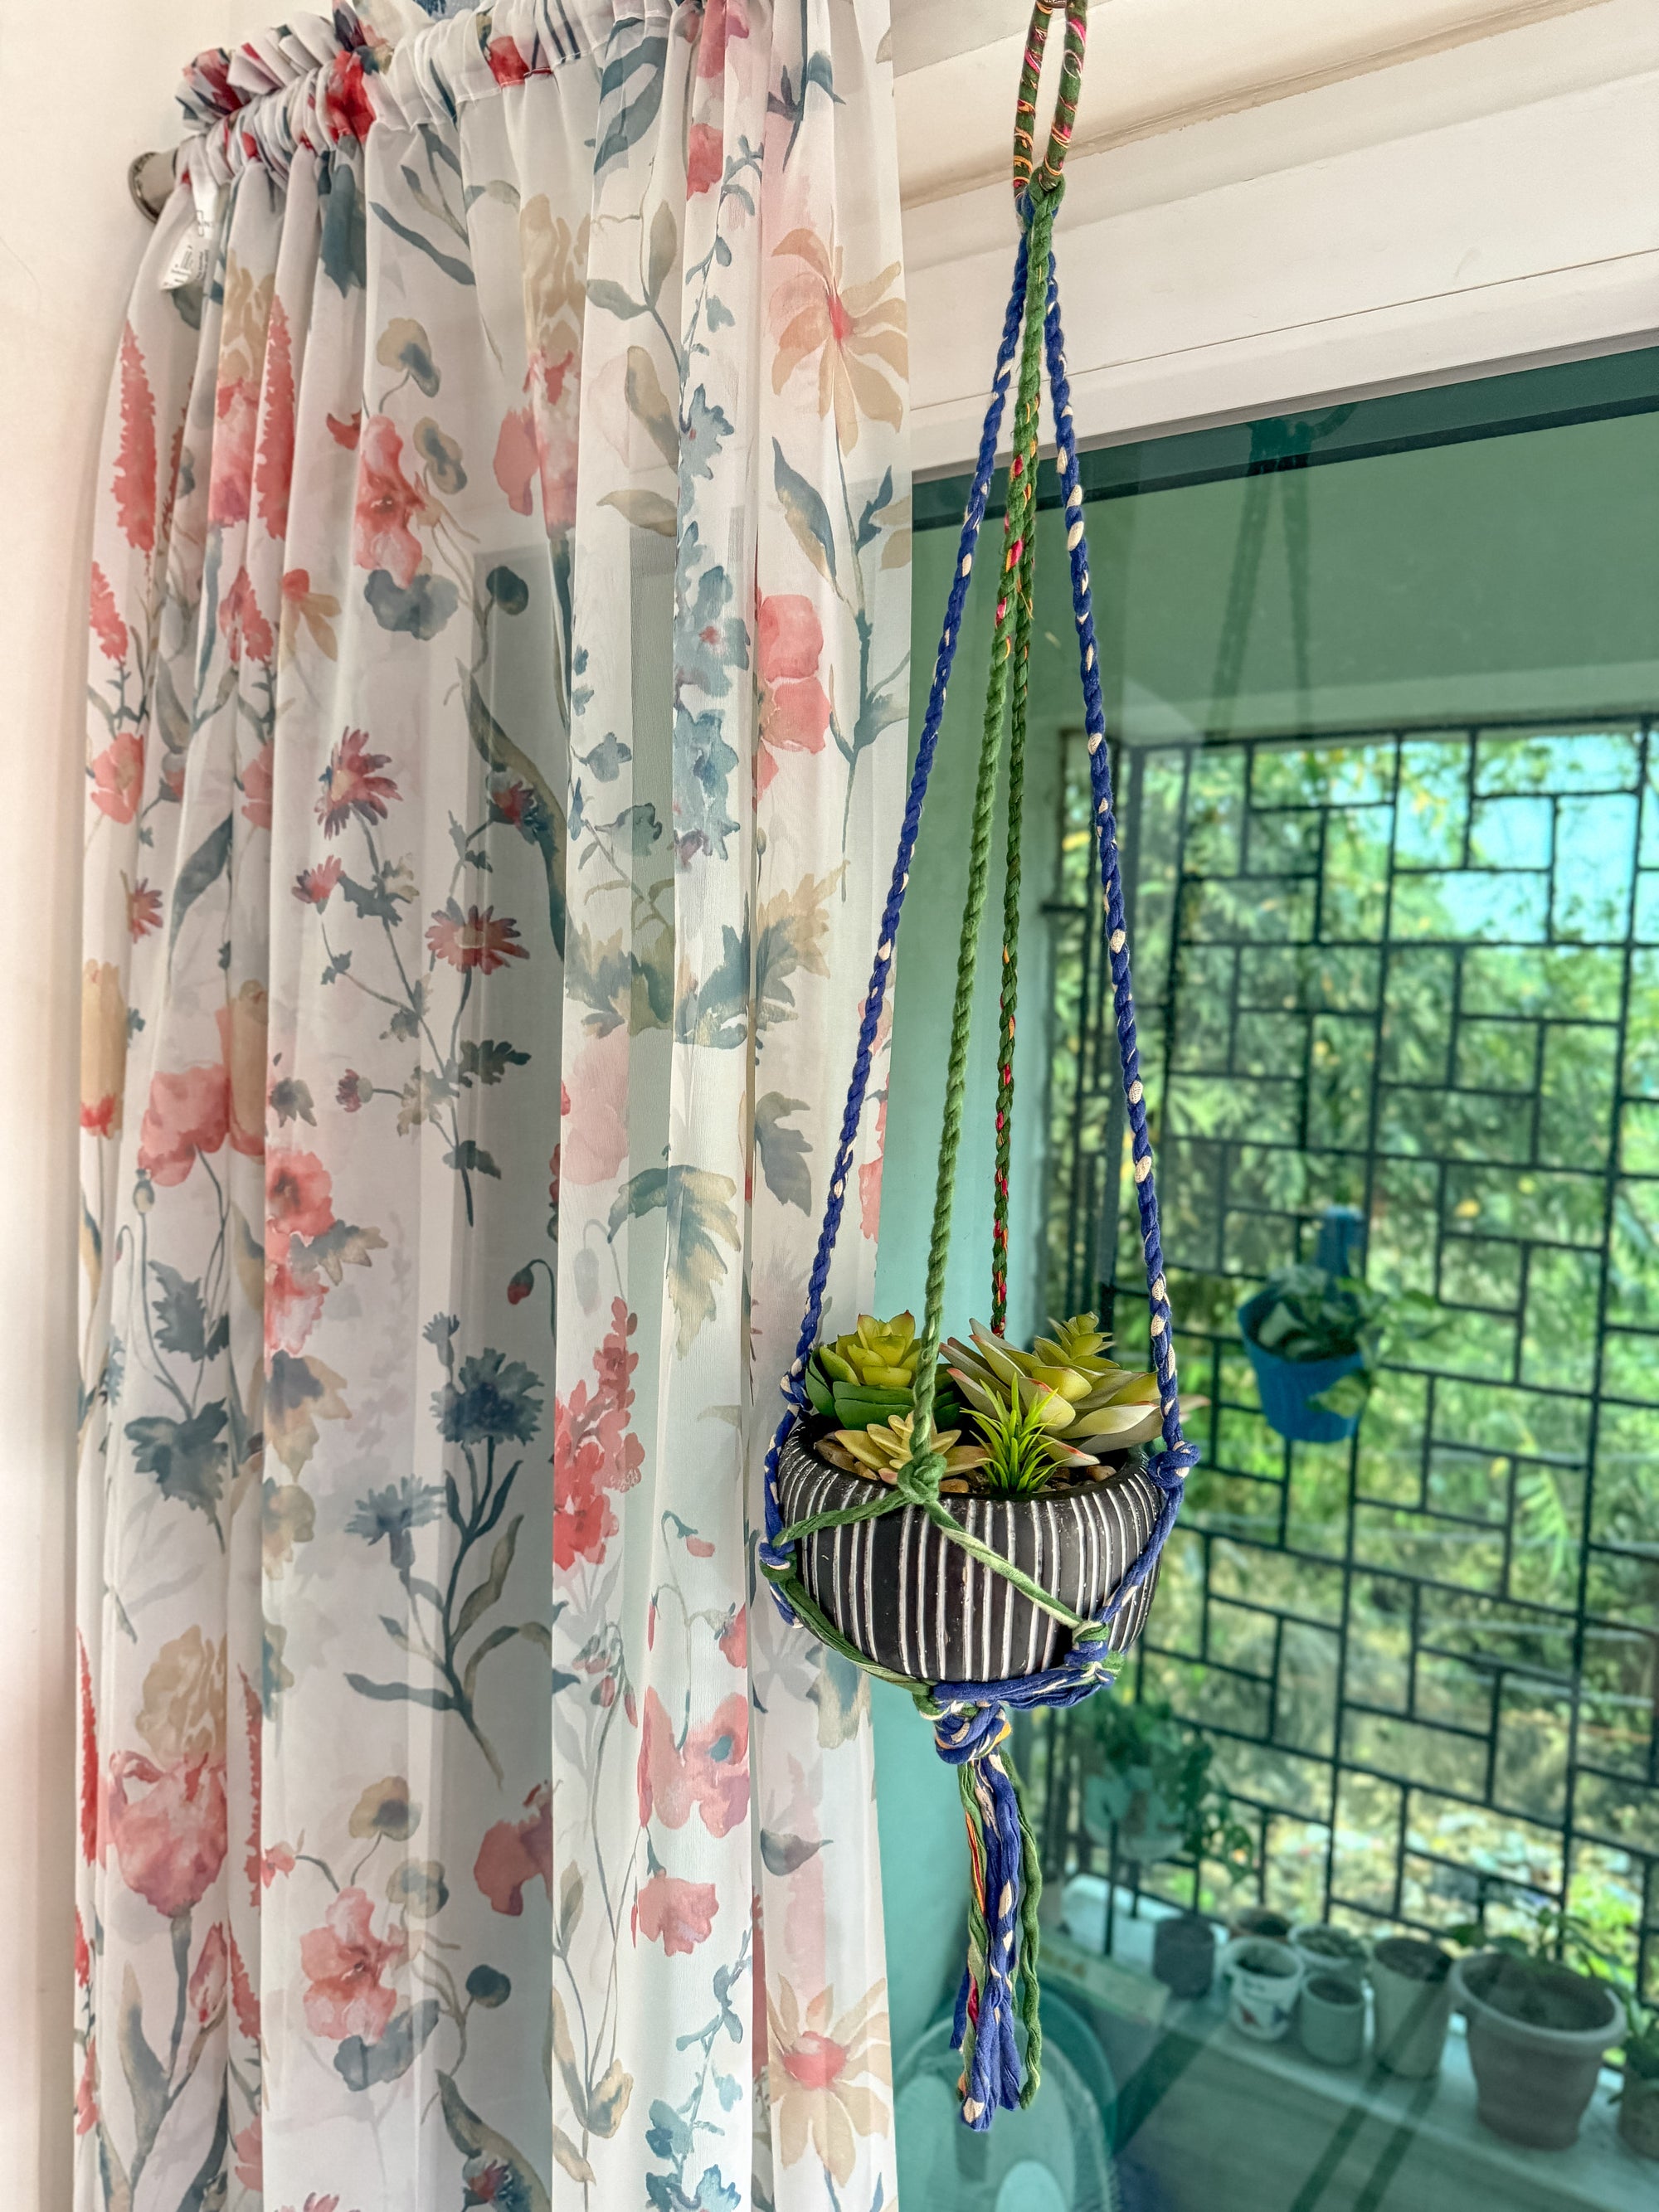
{"x":1324,"y":1949}
{"x":1153,"y":1794}
{"x":1183,"y":1944}
{"x":1149,"y":1794}
{"x":1411,"y":1990}
{"x":1260,"y":1920}
{"x":1317,"y":1335}
{"x":1538,"y":2026}
{"x":1146,"y":1778}
{"x":1638,"y":2094}
{"x":1043,"y":1464}
{"x":1265,"y":1979}
{"x":1332,"y":2019}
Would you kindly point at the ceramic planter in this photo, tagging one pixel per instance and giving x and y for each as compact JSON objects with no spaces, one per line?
{"x":1288,"y":1387}
{"x":1323,"y":1949}
{"x":908,"y":1598}
{"x":1183,"y":1954}
{"x":1638,"y":2112}
{"x":1411,"y":1983}
{"x":1537,"y":2031}
{"x":1265,"y":1980}
{"x":1331,"y":2017}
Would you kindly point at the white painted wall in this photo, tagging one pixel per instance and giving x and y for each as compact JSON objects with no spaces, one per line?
{"x":1284,"y":199}
{"x":84,"y":92}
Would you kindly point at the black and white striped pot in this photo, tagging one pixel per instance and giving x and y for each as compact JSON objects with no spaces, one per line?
{"x":907,"y":1597}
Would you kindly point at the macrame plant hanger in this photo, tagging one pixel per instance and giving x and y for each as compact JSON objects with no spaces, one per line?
{"x":997,"y":2025}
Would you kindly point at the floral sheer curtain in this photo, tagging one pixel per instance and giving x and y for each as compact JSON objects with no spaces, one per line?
{"x":499,"y":624}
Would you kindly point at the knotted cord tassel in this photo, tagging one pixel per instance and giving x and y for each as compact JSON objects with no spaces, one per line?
{"x":999,"y":1994}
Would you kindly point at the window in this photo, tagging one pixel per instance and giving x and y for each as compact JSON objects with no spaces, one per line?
{"x":1383,"y":689}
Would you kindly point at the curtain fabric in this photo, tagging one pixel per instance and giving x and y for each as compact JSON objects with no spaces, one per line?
{"x":500,"y":618}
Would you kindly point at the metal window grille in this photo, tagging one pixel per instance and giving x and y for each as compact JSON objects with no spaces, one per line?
{"x":1415,"y":971}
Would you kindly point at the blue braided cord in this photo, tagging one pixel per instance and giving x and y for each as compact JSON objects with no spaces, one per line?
{"x":793,"y":1387}
{"x":995,"y":2071}
{"x":959,"y":2017}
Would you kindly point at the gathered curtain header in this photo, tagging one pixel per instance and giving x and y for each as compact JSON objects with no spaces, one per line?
{"x":311,"y":83}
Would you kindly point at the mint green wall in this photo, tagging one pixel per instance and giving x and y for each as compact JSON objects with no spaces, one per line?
{"x":1507,"y":575}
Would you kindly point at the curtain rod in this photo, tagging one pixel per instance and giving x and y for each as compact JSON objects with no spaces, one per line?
{"x":150,"y":180}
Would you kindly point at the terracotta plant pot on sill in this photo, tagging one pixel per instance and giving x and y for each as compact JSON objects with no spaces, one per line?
{"x":912,"y":1601}
{"x":1537,"y":2031}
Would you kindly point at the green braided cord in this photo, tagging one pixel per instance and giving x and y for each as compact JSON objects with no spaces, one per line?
{"x":1025,"y":460}
{"x":884,"y":1501}
{"x":1071,"y":84}
{"x":879,"y":1501}
{"x":979,"y":1936}
{"x":827,"y":1633}
{"x":1022,"y":489}
{"x":1029,"y":1993}
{"x":1030,"y":371}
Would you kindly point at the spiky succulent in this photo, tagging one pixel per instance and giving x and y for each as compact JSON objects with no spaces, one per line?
{"x":883,"y":1448}
{"x":1057,"y":1407}
{"x":867,"y":1376}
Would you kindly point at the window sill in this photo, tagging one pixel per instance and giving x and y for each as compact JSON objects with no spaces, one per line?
{"x":1208,"y":2109}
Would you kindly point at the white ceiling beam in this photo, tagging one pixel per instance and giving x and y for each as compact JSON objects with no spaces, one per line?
{"x":1489,"y":205}
{"x":1154,"y":66}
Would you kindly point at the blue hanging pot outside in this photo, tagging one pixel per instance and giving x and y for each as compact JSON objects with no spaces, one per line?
{"x":1288,"y":1387}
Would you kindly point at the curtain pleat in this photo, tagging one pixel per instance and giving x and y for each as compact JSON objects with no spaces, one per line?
{"x":500,"y":615}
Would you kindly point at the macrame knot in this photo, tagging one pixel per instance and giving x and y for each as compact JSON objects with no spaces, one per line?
{"x":917,"y":1482}
{"x":964,"y":1733}
{"x":1049,"y":196}
{"x":776,"y":1558}
{"x":1088,"y":1662}
{"x":1169,"y":1468}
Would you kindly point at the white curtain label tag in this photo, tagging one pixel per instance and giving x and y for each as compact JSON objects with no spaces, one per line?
{"x":194,"y":254}
{"x":189,"y":262}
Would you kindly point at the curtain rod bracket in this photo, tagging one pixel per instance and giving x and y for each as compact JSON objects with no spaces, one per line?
{"x":150,"y":180}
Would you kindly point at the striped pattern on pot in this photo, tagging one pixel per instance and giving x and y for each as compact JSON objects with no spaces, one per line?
{"x":917,"y":1604}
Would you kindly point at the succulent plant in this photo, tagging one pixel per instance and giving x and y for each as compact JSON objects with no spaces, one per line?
{"x":883,"y":1448}
{"x":1060,"y":1405}
{"x":867,"y":1376}
{"x":1063,"y":1405}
